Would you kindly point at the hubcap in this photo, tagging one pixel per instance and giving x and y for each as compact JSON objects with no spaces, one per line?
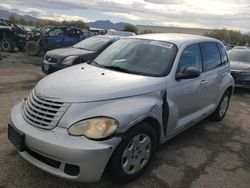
{"x":136,"y":155}
{"x":223,"y":106}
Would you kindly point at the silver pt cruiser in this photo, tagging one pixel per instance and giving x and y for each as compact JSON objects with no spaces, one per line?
{"x":114,"y":111}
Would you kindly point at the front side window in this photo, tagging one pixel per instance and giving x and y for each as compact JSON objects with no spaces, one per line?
{"x":93,"y":43}
{"x":56,"y":33}
{"x":191,"y":57}
{"x":211,"y":55}
{"x":139,"y":56}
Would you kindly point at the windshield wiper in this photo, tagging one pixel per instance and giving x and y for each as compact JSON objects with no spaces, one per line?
{"x":117,"y":68}
{"x":93,"y":62}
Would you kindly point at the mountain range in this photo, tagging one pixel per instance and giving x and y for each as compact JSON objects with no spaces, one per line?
{"x":102,"y":24}
{"x":5,"y":14}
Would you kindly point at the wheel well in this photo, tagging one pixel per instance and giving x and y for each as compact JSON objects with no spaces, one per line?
{"x":230,"y":89}
{"x":154,"y":123}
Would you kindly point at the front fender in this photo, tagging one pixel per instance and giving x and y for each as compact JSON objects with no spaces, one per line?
{"x":127,"y":111}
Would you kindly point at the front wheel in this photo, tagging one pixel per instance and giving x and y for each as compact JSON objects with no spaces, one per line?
{"x":134,"y":153}
{"x":221,"y":110}
{"x":7,"y":45}
{"x":32,"y":48}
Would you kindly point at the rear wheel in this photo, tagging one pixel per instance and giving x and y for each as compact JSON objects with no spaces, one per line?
{"x":32,"y":48}
{"x":134,"y":153}
{"x":221,"y":110}
{"x":7,"y":45}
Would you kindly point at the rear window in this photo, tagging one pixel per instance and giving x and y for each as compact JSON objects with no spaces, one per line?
{"x":210,"y":55}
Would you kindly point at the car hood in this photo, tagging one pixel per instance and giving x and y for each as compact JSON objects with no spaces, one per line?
{"x":239,"y":66}
{"x":65,"y":52}
{"x":87,"y":83}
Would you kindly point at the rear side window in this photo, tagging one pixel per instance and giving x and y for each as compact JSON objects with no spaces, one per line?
{"x":223,"y":53}
{"x":210,"y":55}
{"x":191,"y":57}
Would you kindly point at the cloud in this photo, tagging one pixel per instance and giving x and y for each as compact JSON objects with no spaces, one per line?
{"x":173,"y":2}
{"x":5,"y":7}
{"x":183,"y":13}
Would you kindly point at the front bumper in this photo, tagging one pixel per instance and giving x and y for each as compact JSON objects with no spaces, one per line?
{"x":57,"y":147}
{"x":49,"y":68}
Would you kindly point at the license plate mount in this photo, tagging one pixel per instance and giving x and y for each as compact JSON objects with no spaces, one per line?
{"x":16,"y":137}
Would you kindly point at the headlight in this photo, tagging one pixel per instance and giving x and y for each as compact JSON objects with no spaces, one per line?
{"x":69,"y":60}
{"x":95,"y":128}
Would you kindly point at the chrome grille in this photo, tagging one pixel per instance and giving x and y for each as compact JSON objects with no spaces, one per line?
{"x":42,"y":112}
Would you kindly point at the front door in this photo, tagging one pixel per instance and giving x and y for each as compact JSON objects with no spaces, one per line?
{"x":54,"y":39}
{"x":185,"y":96}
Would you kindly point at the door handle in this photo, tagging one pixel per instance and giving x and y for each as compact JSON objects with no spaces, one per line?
{"x":204,"y":82}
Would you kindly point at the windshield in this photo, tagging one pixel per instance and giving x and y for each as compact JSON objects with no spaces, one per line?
{"x":93,"y":43}
{"x":145,"y":57}
{"x":239,"y":55}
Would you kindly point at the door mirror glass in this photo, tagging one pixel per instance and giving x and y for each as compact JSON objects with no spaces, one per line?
{"x":188,"y":73}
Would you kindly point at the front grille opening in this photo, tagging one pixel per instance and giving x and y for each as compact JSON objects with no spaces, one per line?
{"x":72,"y":170}
{"x":51,"y":162}
{"x":41,"y":112}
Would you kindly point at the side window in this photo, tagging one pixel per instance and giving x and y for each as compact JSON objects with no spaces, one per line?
{"x":74,"y":33}
{"x":211,"y":55}
{"x":56,"y":33}
{"x":223,"y":53}
{"x":191,"y":57}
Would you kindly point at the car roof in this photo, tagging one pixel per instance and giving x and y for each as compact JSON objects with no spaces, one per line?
{"x":176,"y":38}
{"x":112,"y":37}
{"x":240,"y":50}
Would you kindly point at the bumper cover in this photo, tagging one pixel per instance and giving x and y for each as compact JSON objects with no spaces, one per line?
{"x":241,"y":80}
{"x":52,"y":67}
{"x":90,"y":156}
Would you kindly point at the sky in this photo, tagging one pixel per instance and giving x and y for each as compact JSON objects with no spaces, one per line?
{"x":214,"y":14}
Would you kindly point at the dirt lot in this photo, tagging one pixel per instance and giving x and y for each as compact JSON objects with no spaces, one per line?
{"x":207,"y":155}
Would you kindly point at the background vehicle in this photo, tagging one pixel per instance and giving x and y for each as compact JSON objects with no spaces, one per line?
{"x":240,"y":47}
{"x":11,"y":37}
{"x":81,"y":52}
{"x":32,"y":35}
{"x":240,"y":66}
{"x":228,"y":46}
{"x":138,"y":93}
{"x":56,"y":37}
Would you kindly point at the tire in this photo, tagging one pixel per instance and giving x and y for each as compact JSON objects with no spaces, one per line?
{"x":132,"y":158}
{"x":221,"y":109}
{"x":32,"y":48}
{"x":7,"y":45}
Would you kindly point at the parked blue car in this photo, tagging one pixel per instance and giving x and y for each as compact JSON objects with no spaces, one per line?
{"x":56,"y":37}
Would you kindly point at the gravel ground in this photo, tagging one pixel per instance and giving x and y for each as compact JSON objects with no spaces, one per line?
{"x":207,"y":155}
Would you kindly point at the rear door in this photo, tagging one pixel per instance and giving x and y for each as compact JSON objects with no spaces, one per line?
{"x":72,"y":36}
{"x":214,"y":72}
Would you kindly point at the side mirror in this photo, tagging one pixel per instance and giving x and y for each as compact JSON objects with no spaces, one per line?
{"x":188,"y":73}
